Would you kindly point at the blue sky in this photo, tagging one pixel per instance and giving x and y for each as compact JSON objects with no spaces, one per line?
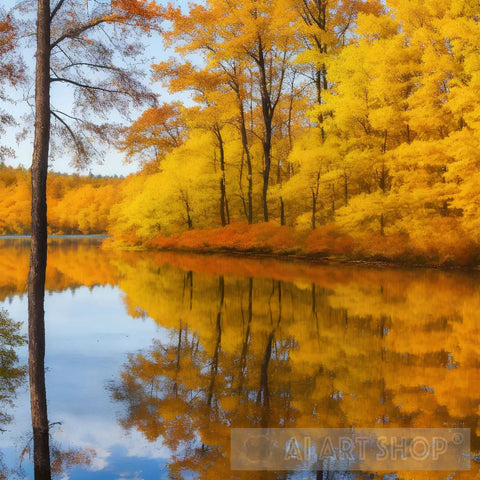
{"x":113,"y":163}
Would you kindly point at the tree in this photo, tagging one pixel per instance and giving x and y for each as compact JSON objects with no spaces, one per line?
{"x":312,"y":159}
{"x":70,"y":50}
{"x":210,"y":114}
{"x":324,"y":29}
{"x":156,"y":132}
{"x":11,"y":70}
{"x":250,"y":47}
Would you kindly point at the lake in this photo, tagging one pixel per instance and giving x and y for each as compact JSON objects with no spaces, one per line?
{"x":153,"y":357}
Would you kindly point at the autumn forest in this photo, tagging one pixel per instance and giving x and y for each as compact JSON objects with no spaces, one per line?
{"x":340,"y":135}
{"x":352,"y":127}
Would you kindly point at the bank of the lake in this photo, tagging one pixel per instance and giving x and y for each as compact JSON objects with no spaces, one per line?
{"x":326,"y":244}
{"x":96,"y":236}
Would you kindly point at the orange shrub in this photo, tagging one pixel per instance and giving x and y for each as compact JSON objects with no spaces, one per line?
{"x":441,"y":241}
{"x":328,"y":240}
{"x":383,"y":247}
{"x":241,"y":237}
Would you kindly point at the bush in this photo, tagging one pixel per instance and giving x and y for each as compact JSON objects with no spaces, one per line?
{"x":241,"y":237}
{"x":328,"y":240}
{"x":439,"y":241}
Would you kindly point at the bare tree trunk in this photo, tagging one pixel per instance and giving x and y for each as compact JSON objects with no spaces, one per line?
{"x":38,"y":253}
{"x":267,"y":113}
{"x":246,"y":149}
{"x":315,"y":192}
{"x":188,"y":210}
{"x":282,"y":212}
{"x":223,"y":189}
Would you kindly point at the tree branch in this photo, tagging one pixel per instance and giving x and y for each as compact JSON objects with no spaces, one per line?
{"x":78,"y":31}
{"x":56,"y":9}
{"x":88,"y":87}
{"x":92,"y":65}
{"x":70,"y":131}
{"x":69,"y":116}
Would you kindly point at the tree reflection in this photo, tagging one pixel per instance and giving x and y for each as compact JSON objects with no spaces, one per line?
{"x":12,"y":374}
{"x":265,"y":343}
{"x":255,"y":352}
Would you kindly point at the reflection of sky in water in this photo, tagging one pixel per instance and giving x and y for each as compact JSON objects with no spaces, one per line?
{"x":89,"y":336}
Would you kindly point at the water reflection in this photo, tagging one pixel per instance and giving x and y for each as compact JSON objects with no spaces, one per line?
{"x":255,"y":343}
{"x":12,"y":373}
{"x":350,"y":348}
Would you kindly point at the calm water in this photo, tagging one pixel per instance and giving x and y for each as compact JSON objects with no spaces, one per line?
{"x":152,"y":358}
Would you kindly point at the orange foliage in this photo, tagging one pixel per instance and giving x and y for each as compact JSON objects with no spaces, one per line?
{"x":241,"y":237}
{"x":138,"y":10}
{"x":444,"y":239}
{"x":328,"y":240}
{"x":11,"y":71}
{"x":76,"y":204}
{"x":443,"y":243}
{"x":394,"y":247}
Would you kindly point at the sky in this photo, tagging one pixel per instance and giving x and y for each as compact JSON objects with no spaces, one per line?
{"x":113,"y":162}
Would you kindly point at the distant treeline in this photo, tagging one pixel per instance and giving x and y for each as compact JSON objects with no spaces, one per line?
{"x":76,"y":203}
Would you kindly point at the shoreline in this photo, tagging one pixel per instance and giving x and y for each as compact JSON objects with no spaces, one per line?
{"x":308,"y":259}
{"x":99,"y":236}
{"x":311,"y":259}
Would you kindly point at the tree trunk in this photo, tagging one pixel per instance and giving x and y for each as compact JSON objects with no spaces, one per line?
{"x":267,"y":113}
{"x":266,"y":173}
{"x":38,"y":253}
{"x":186,"y":202}
{"x":223,"y":189}
{"x":246,"y":149}
{"x":282,"y":212}
{"x":189,"y":218}
{"x":315,"y":192}
{"x":215,"y":359}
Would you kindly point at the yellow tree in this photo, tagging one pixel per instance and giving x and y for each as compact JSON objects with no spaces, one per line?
{"x":324,"y":28}
{"x":210,"y":115}
{"x":313,"y":160}
{"x":244,"y":37}
{"x":181,"y":196}
{"x":373,"y":79}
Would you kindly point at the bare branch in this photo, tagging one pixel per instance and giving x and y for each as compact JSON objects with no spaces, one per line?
{"x":70,"y":131}
{"x":89,"y":87}
{"x":92,"y":65}
{"x":74,"y":33}
{"x":69,"y":116}
{"x":56,"y":9}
